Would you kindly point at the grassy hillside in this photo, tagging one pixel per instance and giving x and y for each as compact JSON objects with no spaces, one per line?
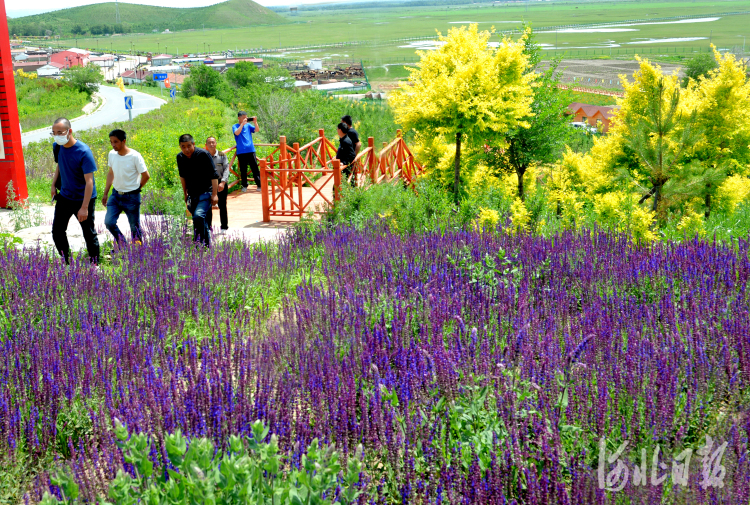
{"x":100,"y":18}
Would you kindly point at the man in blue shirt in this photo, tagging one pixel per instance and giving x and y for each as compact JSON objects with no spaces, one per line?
{"x":77,"y":197}
{"x":243,"y":135}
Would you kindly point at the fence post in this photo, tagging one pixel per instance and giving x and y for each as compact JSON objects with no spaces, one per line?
{"x":264,"y":190}
{"x":298,"y":175}
{"x":284,"y":164}
{"x":336,"y":180}
{"x":371,"y":158}
{"x":323,"y":148}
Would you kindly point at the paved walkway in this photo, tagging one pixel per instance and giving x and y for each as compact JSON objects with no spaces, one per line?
{"x":112,"y":110}
{"x":245,"y":221}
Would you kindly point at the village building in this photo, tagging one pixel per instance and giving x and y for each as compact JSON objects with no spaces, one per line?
{"x":50,"y":70}
{"x":161,"y":60}
{"x":104,"y":61}
{"x":136,"y":76}
{"x":28,"y":66}
{"x":71,"y":58}
{"x":174,"y":80}
{"x":594,"y":115}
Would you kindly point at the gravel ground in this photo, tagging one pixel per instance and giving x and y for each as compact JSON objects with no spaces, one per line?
{"x":603,"y":73}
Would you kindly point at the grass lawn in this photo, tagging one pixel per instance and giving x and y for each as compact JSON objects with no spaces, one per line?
{"x":376,"y":27}
{"x":593,"y":98}
{"x":40,"y":101}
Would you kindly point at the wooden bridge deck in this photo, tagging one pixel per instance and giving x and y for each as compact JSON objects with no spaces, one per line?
{"x":246,"y":209}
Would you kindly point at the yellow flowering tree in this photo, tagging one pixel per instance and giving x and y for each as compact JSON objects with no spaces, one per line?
{"x":657,"y":127}
{"x":465,"y":90}
{"x":721,"y":100}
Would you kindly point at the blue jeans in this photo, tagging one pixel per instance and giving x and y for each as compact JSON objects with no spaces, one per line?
{"x":131,"y":206}
{"x":200,"y":208}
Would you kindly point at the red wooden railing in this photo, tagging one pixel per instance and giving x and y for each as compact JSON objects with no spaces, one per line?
{"x":287,"y":170}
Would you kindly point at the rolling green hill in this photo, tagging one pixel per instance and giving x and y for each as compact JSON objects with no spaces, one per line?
{"x":100,"y":18}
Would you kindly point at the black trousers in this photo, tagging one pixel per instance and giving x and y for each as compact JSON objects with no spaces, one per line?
{"x":64,"y":209}
{"x":223,"y":215}
{"x":245,"y":160}
{"x":347,"y":171}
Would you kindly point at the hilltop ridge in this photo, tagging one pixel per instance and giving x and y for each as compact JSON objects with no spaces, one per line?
{"x":100,"y":18}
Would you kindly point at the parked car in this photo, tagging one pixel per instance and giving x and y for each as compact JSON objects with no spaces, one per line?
{"x":579,"y":125}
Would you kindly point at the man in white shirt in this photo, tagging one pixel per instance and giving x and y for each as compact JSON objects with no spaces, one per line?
{"x":128,"y":174}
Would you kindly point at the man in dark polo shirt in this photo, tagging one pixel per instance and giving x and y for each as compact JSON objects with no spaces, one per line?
{"x":74,"y":176}
{"x":200,"y":184}
{"x":345,"y":153}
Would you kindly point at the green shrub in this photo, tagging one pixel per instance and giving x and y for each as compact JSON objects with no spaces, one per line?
{"x":41,"y":101}
{"x":404,"y":210}
{"x":251,"y":470}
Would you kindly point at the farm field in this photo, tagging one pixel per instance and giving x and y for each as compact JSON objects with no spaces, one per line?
{"x":377,"y":27}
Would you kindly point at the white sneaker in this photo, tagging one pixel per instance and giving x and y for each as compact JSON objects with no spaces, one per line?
{"x":243,"y":190}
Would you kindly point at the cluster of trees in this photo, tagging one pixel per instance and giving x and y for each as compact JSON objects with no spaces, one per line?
{"x":672,"y":148}
{"x":270,"y":94}
{"x":41,"y":29}
{"x":491,"y":102}
{"x":677,"y":146}
{"x":101,"y":29}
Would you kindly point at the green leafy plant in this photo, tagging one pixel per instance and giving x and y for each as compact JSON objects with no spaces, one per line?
{"x":251,"y":470}
{"x":25,"y":213}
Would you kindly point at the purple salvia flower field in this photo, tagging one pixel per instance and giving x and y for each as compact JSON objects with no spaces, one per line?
{"x":477,"y":368}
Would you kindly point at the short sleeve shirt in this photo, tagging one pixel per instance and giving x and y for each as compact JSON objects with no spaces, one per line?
{"x":245,"y":139}
{"x":127,"y":170}
{"x":75,"y":162}
{"x":353,"y":136}
{"x":222,"y":166}
{"x":198,"y":171}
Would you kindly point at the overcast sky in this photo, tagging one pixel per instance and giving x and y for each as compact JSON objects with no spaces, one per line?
{"x":16,"y":8}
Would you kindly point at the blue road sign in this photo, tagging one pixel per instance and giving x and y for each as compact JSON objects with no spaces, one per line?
{"x":128,"y":102}
{"x":160,"y":77}
{"x":172,"y":92}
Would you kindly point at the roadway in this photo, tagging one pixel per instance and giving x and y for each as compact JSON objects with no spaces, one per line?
{"x":111,"y":111}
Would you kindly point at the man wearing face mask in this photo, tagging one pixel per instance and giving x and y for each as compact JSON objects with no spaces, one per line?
{"x":74,"y":176}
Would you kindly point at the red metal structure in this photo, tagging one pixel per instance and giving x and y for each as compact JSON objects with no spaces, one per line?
{"x":11,"y":152}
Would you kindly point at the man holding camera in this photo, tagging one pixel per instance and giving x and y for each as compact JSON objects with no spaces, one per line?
{"x":243,"y":135}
